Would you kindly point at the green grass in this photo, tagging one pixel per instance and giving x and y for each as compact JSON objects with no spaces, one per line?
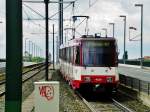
{"x":146,"y":60}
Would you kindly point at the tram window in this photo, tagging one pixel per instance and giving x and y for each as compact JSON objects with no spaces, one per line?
{"x":60,"y":53}
{"x":64,"y":54}
{"x":77,"y":56}
{"x":69,"y":54}
{"x":94,"y":55}
{"x":72,"y":54}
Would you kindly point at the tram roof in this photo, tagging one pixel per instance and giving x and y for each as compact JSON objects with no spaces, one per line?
{"x":77,"y":41}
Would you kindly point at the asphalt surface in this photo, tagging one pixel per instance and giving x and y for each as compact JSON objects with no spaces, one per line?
{"x":135,"y":72}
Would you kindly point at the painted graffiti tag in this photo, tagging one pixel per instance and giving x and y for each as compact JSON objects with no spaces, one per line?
{"x":47,"y":92}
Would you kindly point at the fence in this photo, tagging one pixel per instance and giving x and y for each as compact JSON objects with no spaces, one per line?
{"x":135,"y":62}
{"x":139,"y":85}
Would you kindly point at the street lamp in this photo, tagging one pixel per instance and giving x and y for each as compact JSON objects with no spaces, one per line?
{"x":32,"y":50}
{"x":131,"y":28}
{"x":26,"y":46}
{"x":105,"y":29}
{"x":113,"y":24}
{"x":123,"y":16}
{"x":141,"y":6}
{"x":1,"y":22}
{"x":29,"y":47}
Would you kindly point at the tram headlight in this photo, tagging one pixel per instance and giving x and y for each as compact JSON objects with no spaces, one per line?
{"x":109,"y":79}
{"x":87,"y":79}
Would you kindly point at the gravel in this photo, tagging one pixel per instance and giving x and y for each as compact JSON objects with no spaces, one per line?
{"x":2,"y":104}
{"x":131,"y":102}
{"x":69,"y":102}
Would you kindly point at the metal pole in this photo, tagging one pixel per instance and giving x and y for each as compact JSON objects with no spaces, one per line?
{"x":124,"y":61}
{"x":25,"y":46}
{"x":61,"y":21}
{"x":13,"y":88}
{"x":114,"y":30}
{"x":34,"y":49}
{"x":105,"y":31}
{"x":53,"y":47}
{"x":57,"y":53}
{"x":29,"y":47}
{"x":40,"y":52}
{"x":2,"y":31}
{"x":47,"y":37}
{"x":124,"y":38}
{"x":142,"y":36}
{"x":141,"y":5}
{"x":73,"y":29}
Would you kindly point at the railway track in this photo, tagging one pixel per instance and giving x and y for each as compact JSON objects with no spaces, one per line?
{"x":28,"y":74}
{"x":106,"y":105}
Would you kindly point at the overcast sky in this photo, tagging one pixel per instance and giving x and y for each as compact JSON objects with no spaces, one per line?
{"x":101,"y":13}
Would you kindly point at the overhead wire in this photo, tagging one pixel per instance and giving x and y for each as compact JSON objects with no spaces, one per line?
{"x":39,"y":25}
{"x":50,"y":16}
{"x":59,"y":11}
{"x":34,"y":10}
{"x":41,"y":15}
{"x":80,"y":23}
{"x":90,"y":6}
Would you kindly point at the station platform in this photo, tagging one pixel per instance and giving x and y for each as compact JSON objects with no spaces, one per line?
{"x":28,"y":103}
{"x":135,"y":71}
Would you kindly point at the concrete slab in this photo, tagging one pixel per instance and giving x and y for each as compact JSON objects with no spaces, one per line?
{"x":28,"y":104}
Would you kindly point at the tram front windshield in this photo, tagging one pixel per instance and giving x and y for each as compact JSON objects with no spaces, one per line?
{"x":99,"y":53}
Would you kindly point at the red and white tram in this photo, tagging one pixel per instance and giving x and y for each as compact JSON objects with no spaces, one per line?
{"x":90,"y":61}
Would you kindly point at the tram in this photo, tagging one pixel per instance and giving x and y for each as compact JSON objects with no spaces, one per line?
{"x":90,"y":61}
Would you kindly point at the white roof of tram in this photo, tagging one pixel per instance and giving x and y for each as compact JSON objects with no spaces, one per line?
{"x":77,"y":41}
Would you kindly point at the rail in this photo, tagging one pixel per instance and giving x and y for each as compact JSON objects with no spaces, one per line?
{"x":122,"y":107}
{"x":85,"y":101}
{"x":35,"y":66}
{"x":114,"y":102}
{"x":26,"y":79}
